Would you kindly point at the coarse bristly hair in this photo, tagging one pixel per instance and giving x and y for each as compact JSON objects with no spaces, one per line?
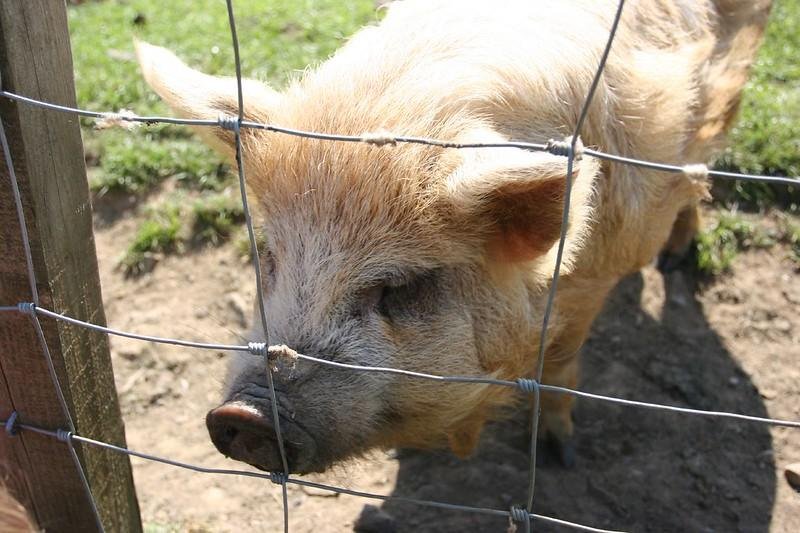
{"x":342,"y":218}
{"x":14,"y":518}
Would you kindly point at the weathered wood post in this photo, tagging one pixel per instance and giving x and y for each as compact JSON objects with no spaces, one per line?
{"x":47,"y":152}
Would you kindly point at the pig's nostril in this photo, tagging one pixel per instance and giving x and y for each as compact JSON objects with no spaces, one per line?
{"x":239,"y":432}
{"x":244,"y":433}
{"x":226,"y":437}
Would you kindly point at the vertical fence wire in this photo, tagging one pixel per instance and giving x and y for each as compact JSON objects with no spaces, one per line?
{"x":26,"y":243}
{"x":257,"y":263}
{"x":536,"y":408}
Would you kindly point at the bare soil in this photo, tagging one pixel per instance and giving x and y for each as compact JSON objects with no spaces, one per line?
{"x":731,"y":344}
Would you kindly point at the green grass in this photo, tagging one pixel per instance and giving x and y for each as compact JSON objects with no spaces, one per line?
{"x":276,"y":39}
{"x":766,"y":138}
{"x":135,"y":163}
{"x":719,"y":243}
{"x":180,"y":223}
{"x":789,"y":231}
{"x":160,"y":233}
{"x":216,"y":217}
{"x":794,"y":240}
{"x":241,"y":243}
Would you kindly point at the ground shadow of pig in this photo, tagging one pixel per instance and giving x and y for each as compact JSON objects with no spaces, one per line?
{"x":637,"y":470}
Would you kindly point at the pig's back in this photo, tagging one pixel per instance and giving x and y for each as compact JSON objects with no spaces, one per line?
{"x":524,"y":65}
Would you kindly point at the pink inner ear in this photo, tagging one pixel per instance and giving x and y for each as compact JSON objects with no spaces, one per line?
{"x":527,"y":220}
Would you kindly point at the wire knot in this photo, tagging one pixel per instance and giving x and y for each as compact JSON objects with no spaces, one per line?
{"x":379,"y":138}
{"x":696,"y":172}
{"x":564,"y":148}
{"x":27,"y":307}
{"x":12,"y":427}
{"x":124,"y":118}
{"x":228,"y":122}
{"x":257,"y":348}
{"x":63,"y":435}
{"x":517,"y":515}
{"x":279,"y":478}
{"x":528,"y":386}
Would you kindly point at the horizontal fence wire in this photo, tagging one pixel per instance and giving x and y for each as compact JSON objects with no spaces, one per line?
{"x":523,"y":384}
{"x":67,"y":436}
{"x":389,"y":139}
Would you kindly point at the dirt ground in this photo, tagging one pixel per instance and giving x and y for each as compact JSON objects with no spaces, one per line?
{"x":731,"y":345}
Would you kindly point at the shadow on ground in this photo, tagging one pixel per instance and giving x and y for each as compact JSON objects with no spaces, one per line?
{"x":637,"y":469}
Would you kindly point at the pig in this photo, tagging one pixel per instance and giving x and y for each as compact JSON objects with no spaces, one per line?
{"x":14,"y":518}
{"x":439,"y":260}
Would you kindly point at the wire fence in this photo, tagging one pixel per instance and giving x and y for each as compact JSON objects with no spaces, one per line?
{"x":571,"y":149}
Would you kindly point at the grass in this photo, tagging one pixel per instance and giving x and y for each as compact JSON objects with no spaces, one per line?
{"x":241,"y":243}
{"x":179,"y":224}
{"x":135,"y":164}
{"x":766,"y":138}
{"x":794,"y":240}
{"x":790,"y":234}
{"x":159,"y":233}
{"x":720,"y":242}
{"x":276,"y":39}
{"x":216,"y":217}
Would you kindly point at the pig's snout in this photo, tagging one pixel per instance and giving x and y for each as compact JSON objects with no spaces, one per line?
{"x":243,"y":433}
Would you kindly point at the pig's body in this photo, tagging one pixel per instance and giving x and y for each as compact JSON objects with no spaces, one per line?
{"x":439,"y":260}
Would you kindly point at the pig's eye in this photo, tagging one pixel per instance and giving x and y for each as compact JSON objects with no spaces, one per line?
{"x":384,"y":301}
{"x":414,"y":296}
{"x":268,"y":265}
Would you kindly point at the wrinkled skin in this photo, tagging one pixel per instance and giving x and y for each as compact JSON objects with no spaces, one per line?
{"x":439,"y":261}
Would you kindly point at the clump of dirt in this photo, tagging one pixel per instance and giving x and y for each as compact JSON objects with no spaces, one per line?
{"x":731,"y":345}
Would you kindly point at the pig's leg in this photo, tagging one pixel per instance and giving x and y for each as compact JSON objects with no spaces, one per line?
{"x":556,"y":426}
{"x":578,"y":304}
{"x":683,"y":231}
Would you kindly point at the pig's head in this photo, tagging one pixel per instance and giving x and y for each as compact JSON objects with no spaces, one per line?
{"x":409,"y":257}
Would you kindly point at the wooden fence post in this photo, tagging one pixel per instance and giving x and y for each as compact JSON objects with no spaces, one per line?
{"x":47,"y":153}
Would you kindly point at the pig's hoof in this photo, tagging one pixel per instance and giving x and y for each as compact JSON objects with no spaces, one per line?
{"x":669,"y":262}
{"x":374,"y":520}
{"x":565,"y":451}
{"x":551,"y":449}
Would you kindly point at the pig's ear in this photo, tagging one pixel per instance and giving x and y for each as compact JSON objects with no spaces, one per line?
{"x":515,"y":199}
{"x":192,"y":94}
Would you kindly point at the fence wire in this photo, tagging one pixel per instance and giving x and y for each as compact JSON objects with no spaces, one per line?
{"x":389,"y":139}
{"x":571,"y":149}
{"x":14,"y":425}
{"x":536,"y":409}
{"x":236,"y":127}
{"x":522,"y":384}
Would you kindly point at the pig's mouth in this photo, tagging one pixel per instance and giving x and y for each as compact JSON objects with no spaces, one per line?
{"x":243,"y":429}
